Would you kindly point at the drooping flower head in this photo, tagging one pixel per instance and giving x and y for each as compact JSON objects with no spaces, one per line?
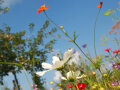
{"x":43,"y":8}
{"x":101,"y":3}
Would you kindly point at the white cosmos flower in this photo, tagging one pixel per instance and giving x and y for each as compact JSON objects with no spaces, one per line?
{"x":57,"y":63}
{"x":71,"y":75}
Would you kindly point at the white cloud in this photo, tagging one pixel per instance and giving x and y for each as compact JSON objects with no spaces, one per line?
{"x":57,"y":77}
{"x":8,"y":3}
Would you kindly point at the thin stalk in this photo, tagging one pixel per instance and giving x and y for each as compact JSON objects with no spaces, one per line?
{"x":69,"y":37}
{"x":27,"y":78}
{"x":95,"y":31}
{"x":33,"y":67}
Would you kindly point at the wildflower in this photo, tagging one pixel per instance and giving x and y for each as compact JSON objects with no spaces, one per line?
{"x":57,"y":63}
{"x":70,"y":85}
{"x":60,"y":84}
{"x":94,"y":86}
{"x":81,"y":86}
{"x":61,"y":26}
{"x":51,"y":82}
{"x":51,"y":89}
{"x":43,"y":8}
{"x":72,"y":76}
{"x":94,"y":73}
{"x":84,"y":46}
{"x":105,"y":75}
{"x":34,"y":87}
{"x":101,"y":88}
{"x":116,"y":51}
{"x":101,"y":3}
{"x":60,"y":89}
{"x":108,"y":12}
{"x":108,"y":49}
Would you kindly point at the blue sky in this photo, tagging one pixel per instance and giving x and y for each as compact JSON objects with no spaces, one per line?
{"x":76,"y":15}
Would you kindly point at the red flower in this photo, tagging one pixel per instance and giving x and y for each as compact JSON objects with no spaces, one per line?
{"x":81,"y":86}
{"x":70,"y":85}
{"x":101,"y":3}
{"x":108,"y":49}
{"x":116,"y":51}
{"x":43,"y":8}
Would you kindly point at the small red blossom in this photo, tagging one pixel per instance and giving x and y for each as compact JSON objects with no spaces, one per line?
{"x":101,"y":3}
{"x":108,"y":49}
{"x":81,"y":86}
{"x":70,"y":85}
{"x":43,"y":8}
{"x":116,"y":51}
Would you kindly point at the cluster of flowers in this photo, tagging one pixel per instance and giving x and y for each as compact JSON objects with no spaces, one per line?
{"x":115,"y":83}
{"x":71,"y":76}
{"x":116,"y":65}
{"x":80,"y":86}
{"x":116,"y":51}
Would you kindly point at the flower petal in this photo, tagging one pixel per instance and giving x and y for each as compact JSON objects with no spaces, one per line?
{"x":55,"y":59}
{"x":41,"y":73}
{"x":68,"y":54}
{"x":63,"y":78}
{"x":46,"y":65}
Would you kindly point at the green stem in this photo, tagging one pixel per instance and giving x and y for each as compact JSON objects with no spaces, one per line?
{"x":27,"y":78}
{"x":95,"y":31}
{"x":33,"y":67}
{"x":69,"y":37}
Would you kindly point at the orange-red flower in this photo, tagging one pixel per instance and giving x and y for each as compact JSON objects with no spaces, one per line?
{"x":101,"y":3}
{"x":116,"y":51}
{"x":81,"y":86}
{"x":43,"y":8}
{"x":70,"y":85}
{"x":108,"y":49}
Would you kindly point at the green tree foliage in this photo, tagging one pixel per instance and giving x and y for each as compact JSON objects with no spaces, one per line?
{"x":16,"y":48}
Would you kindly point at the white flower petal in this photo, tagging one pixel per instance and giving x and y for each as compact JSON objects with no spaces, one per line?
{"x":68,"y":54}
{"x":55,"y":59}
{"x":41,"y":73}
{"x":70,"y":74}
{"x":79,"y":77}
{"x":57,"y":77}
{"x":46,"y":65}
{"x":77,"y":73}
{"x":63,"y":78}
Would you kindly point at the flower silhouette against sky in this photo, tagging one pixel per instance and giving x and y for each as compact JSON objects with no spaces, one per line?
{"x":108,"y":49}
{"x":43,"y":8}
{"x":101,"y":3}
{"x":57,"y":63}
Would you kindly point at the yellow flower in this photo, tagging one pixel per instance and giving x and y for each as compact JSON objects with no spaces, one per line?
{"x":108,"y":12}
{"x":105,"y":75}
{"x":61,"y":26}
{"x":94,"y":86}
{"x":118,"y":53}
{"x":51,"y":82}
{"x":118,"y":86}
{"x":60,"y":89}
{"x":94,"y":73}
{"x":101,"y":88}
{"x":51,"y":89}
{"x":60,"y":84}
